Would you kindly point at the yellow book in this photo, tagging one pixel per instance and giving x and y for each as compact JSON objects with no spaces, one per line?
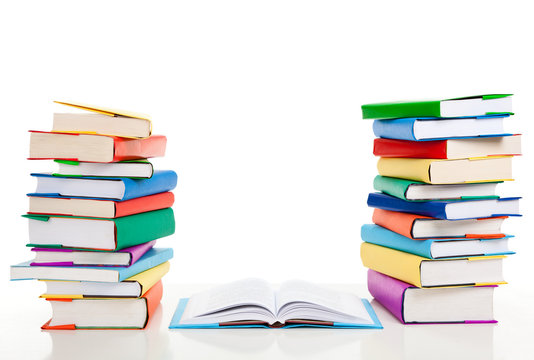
{"x":102,"y":120}
{"x":457,"y":171}
{"x":135,"y":286}
{"x":423,"y":272}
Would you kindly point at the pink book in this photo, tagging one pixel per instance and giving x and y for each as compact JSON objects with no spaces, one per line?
{"x":413,"y":305}
{"x":71,"y":257}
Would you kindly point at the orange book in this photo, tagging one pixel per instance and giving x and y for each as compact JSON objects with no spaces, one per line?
{"x":90,"y":313}
{"x":424,"y":227}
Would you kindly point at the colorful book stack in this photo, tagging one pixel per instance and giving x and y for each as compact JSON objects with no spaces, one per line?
{"x":435,"y":250}
{"x":94,"y":223}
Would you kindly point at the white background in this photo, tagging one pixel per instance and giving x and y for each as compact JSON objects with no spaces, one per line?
{"x":260,"y":101}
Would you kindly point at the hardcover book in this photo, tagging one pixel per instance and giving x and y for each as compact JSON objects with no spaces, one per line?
{"x":94,"y":207}
{"x":69,"y":257}
{"x":152,"y":258}
{"x":440,"y":128}
{"x":103,"y":121}
{"x":435,"y":248}
{"x":423,"y":227}
{"x":104,"y":187}
{"x":438,"y":171}
{"x":417,"y":190}
{"x":92,"y":314}
{"x":428,"y":273}
{"x":412,"y":305}
{"x":456,"y":107}
{"x":132,"y":287}
{"x":450,"y":148}
{"x":58,"y":231}
{"x":93,"y":148}
{"x":448,"y":209}
{"x":137,"y":169}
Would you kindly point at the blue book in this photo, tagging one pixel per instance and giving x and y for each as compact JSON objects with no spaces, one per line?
{"x":117,"y":188}
{"x":448,"y":209}
{"x":152,"y":258}
{"x":432,"y":128}
{"x":435,"y":248}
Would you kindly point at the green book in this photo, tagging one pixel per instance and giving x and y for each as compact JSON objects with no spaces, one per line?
{"x":76,"y":232}
{"x":133,"y":169}
{"x":418,"y":191}
{"x":477,"y":105}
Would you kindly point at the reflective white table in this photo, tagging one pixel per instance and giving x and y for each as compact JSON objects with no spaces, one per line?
{"x":22,"y":315}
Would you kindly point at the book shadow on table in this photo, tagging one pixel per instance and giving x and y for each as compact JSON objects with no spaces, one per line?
{"x":427,"y":341}
{"x":153,"y":342}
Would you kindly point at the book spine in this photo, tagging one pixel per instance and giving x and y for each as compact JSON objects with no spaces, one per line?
{"x":392,"y":186}
{"x":154,"y":257}
{"x":397,"y":264}
{"x":395,"y":129}
{"x":411,"y":169}
{"x":131,"y":149}
{"x":401,"y":223}
{"x":153,"y":298}
{"x":410,"y":149}
{"x":387,"y":291}
{"x":141,"y":228}
{"x":144,"y":204}
{"x":378,"y":235}
{"x":402,"y":110}
{"x":161,"y":181}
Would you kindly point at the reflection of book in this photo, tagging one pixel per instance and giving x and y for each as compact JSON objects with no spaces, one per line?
{"x":411,"y":304}
{"x":423,"y":272}
{"x":253,"y":303}
{"x":72,"y":314}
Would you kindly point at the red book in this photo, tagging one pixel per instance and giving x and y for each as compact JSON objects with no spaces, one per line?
{"x":95,"y":310}
{"x":450,"y":148}
{"x":53,"y":205}
{"x":93,"y":148}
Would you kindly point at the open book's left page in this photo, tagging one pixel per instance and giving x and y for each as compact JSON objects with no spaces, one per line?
{"x":241,"y":300}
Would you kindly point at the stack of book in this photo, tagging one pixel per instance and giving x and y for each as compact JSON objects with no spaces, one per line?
{"x":94,"y":222}
{"x":435,"y":250}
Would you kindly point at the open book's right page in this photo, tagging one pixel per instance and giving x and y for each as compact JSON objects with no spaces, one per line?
{"x":302,"y":300}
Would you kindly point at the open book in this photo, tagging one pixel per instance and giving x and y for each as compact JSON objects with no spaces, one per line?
{"x":253,"y":303}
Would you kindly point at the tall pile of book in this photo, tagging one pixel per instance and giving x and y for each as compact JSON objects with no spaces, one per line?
{"x":94,"y":222}
{"x":435,"y":250}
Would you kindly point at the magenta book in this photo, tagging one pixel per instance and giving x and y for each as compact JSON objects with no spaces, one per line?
{"x":70,"y":257}
{"x":413,"y":305}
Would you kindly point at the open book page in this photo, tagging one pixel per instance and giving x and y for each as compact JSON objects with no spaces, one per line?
{"x":302,"y":300}
{"x":248,"y":299}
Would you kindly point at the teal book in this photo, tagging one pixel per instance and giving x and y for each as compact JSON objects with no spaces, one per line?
{"x":435,"y":248}
{"x":57,"y":231}
{"x":456,"y":107}
{"x":418,"y":191}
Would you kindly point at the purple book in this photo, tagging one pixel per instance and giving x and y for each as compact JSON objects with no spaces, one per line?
{"x":413,"y":305}
{"x":69,"y":257}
